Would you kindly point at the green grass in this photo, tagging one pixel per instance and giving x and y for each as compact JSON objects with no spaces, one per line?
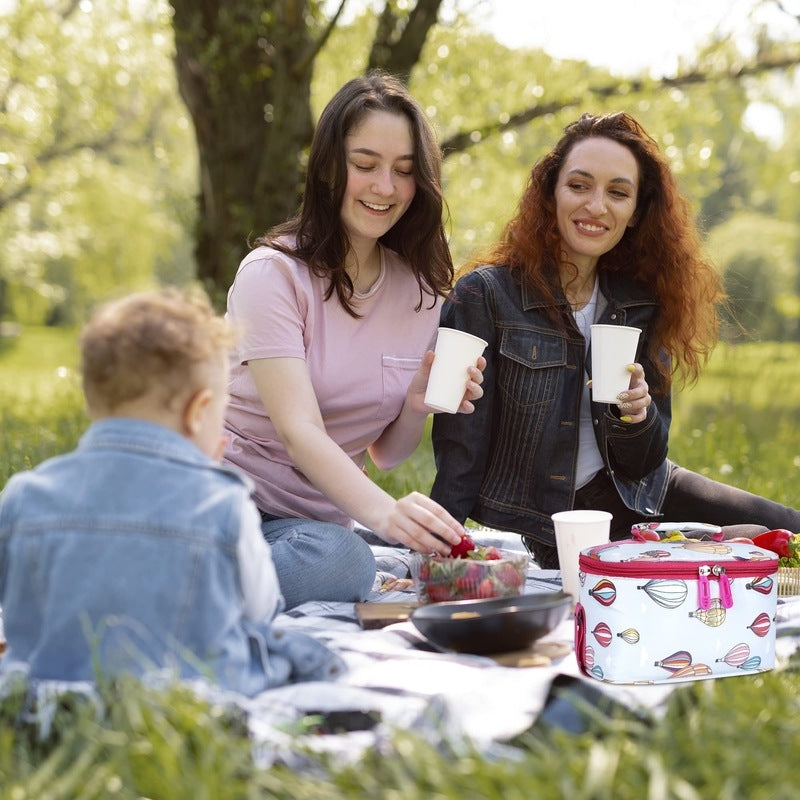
{"x":41,"y":406}
{"x":739,"y":423}
{"x":728,"y":739}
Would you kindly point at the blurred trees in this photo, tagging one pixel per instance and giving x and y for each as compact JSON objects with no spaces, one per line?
{"x":99,"y":159}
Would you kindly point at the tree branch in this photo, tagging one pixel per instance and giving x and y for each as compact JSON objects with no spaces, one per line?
{"x":69,"y":9}
{"x":398,"y":53}
{"x":465,"y":139}
{"x":782,"y":7}
{"x":111,"y":141}
{"x":303,"y":64}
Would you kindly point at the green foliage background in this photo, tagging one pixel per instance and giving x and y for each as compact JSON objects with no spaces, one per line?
{"x":98,"y":163}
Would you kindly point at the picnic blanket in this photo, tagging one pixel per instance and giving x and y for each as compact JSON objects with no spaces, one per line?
{"x":395,"y":679}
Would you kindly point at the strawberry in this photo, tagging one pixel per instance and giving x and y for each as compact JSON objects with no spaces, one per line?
{"x":509,"y":576}
{"x":461,"y":549}
{"x":474,"y":571}
{"x":486,"y":589}
{"x":492,"y":554}
{"x":438,"y":593}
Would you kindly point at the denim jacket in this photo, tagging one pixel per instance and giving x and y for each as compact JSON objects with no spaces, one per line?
{"x":122,"y":555}
{"x":511,"y":463}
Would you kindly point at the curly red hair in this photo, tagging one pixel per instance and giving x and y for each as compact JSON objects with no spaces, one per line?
{"x":661,"y":251}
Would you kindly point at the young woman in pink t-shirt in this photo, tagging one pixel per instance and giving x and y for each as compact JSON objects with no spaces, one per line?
{"x":338,"y":310}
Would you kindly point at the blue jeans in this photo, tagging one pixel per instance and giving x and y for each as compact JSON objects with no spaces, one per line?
{"x":319,"y":560}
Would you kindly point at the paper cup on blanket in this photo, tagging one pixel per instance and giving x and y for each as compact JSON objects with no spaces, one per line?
{"x":613,"y":348}
{"x":455,"y":352}
{"x":575,"y":531}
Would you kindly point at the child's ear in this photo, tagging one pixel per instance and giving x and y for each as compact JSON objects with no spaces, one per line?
{"x":193,"y":411}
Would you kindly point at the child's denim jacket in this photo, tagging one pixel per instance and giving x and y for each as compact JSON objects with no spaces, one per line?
{"x":122,"y":555}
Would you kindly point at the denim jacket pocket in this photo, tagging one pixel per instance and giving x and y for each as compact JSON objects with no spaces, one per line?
{"x":530,"y":368}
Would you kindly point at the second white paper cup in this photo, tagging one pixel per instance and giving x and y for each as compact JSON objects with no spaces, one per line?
{"x":455,"y":352}
{"x":613,"y":348}
{"x":575,"y":531}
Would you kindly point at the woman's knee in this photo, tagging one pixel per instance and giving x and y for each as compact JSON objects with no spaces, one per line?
{"x":357,"y":563}
{"x":321,"y":561}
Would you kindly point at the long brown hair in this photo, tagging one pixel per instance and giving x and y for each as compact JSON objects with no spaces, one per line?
{"x":320,"y":237}
{"x":662,"y":251}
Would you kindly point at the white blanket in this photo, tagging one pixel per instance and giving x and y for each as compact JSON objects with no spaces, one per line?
{"x":449,"y":698}
{"x":397,"y":680}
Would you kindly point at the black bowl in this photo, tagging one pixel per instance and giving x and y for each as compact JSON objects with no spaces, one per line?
{"x":500,"y":625}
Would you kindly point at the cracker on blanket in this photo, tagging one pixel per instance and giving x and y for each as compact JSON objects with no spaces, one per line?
{"x":392,"y":584}
{"x":539,"y":654}
{"x":379,"y":615}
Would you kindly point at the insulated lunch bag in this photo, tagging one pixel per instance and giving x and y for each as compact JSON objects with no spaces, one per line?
{"x":658,"y":611}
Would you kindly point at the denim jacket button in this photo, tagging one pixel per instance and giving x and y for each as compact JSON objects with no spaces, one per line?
{"x":596,"y":421}
{"x":613,"y":316}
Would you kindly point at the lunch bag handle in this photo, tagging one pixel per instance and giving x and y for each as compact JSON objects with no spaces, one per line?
{"x":580,"y":638}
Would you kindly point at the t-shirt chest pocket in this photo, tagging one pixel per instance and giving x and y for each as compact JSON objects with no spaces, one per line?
{"x":530,"y":366}
{"x":397,"y":372}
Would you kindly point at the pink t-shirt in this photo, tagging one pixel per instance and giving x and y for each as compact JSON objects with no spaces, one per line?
{"x":360,"y":368}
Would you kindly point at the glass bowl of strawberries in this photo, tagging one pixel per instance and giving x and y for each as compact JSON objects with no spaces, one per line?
{"x":471,"y":572}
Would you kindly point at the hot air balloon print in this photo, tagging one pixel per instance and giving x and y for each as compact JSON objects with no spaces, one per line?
{"x":666,"y":592}
{"x":676,"y":662}
{"x":758,"y":555}
{"x":751,"y":663}
{"x":737,"y":655}
{"x":712,"y":548}
{"x":629,"y":635}
{"x":713,"y":616}
{"x":692,"y":671}
{"x":604,"y":592}
{"x":760,"y":625}
{"x":597,"y":671}
{"x":762,"y":585}
{"x":648,"y":555}
{"x":588,"y":656}
{"x":603,"y":634}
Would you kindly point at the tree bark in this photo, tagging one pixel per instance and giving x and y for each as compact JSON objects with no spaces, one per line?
{"x":243,"y":76}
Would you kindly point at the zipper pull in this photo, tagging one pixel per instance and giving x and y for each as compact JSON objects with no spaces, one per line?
{"x":703,"y":590}
{"x":725,"y":596}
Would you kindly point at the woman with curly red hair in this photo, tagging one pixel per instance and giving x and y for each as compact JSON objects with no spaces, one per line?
{"x":602,"y":235}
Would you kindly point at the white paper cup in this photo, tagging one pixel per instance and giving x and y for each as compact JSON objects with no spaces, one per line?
{"x":575,"y":531}
{"x":455,"y":352}
{"x":613,"y":348}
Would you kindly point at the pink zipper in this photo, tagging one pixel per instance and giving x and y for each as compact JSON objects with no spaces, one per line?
{"x":685,"y":570}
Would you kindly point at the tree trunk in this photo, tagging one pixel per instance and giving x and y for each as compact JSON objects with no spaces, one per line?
{"x":399,"y":38}
{"x":244,"y":75}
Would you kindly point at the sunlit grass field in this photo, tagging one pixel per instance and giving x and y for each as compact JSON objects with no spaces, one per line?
{"x":738,"y":424}
{"x":41,"y":406}
{"x":734,"y":738}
